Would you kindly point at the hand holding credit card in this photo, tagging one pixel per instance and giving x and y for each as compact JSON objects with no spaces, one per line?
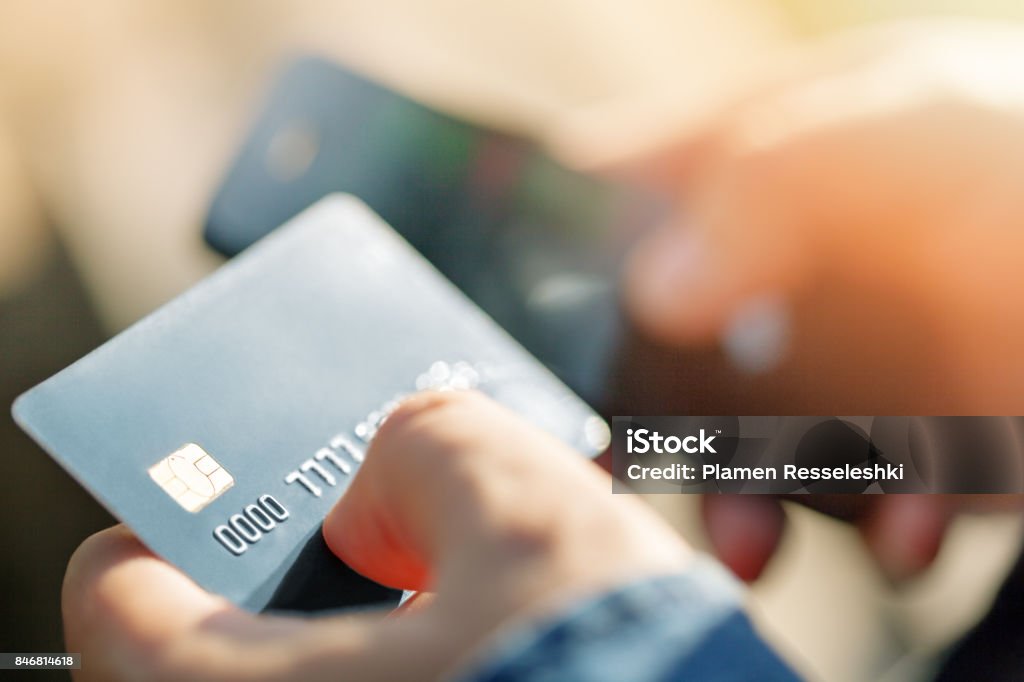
{"x":458,"y":495}
{"x":223,"y":427}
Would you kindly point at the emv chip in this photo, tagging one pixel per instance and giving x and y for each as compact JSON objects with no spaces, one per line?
{"x":191,"y":476}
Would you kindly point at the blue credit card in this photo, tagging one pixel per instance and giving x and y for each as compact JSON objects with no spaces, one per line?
{"x":536,"y":245}
{"x":225,"y":425}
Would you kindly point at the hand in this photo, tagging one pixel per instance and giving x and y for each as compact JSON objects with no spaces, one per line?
{"x":851,"y":226}
{"x":852,"y":231}
{"x":904,"y":533}
{"x":457,"y":496}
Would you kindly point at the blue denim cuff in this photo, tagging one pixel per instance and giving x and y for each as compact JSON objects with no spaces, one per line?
{"x":688,"y":626}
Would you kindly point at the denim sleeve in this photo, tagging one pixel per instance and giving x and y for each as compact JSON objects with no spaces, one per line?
{"x":688,"y":626}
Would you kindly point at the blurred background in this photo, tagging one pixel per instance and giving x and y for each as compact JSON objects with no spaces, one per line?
{"x":119,"y":117}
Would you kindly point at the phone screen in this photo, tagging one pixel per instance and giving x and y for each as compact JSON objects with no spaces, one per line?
{"x":533,"y":243}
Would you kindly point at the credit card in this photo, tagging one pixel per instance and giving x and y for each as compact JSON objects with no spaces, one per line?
{"x":535,"y":244}
{"x":224,"y":426}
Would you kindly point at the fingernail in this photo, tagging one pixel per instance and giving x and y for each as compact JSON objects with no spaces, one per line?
{"x":744,"y":531}
{"x":661,"y":268}
{"x":757,"y":335}
{"x":907,"y":536}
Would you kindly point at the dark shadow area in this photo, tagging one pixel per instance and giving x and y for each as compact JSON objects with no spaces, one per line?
{"x":43,"y":327}
{"x":319,"y":581}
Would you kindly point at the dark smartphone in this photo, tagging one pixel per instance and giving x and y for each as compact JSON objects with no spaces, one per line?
{"x":534,"y":244}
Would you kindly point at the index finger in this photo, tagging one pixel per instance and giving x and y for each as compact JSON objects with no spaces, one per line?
{"x":133,"y":616}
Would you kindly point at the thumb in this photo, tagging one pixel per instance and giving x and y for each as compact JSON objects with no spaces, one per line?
{"x":751,"y":183}
{"x":461,"y":497}
{"x":702,"y":278}
{"x":444,"y":477}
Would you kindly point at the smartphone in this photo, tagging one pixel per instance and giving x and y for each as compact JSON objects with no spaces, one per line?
{"x":533,"y":243}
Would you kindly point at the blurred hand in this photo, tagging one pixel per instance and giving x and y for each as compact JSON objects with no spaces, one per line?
{"x":892,"y":162}
{"x":904,"y":533}
{"x":457,"y":496}
{"x":863,"y":197}
{"x":852,"y":233}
